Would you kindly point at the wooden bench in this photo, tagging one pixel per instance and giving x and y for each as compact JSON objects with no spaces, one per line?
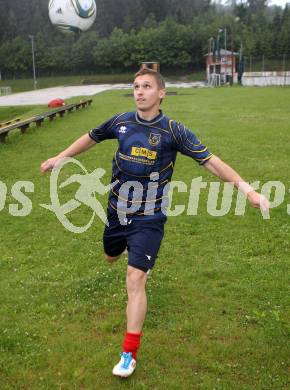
{"x":23,"y":125}
{"x":11,"y":121}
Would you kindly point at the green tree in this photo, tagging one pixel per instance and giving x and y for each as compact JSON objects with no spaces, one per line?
{"x":284,"y":34}
{"x":15,"y":57}
{"x":82,"y":52}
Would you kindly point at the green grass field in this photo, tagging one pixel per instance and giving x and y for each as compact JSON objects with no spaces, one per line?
{"x":218,"y":298}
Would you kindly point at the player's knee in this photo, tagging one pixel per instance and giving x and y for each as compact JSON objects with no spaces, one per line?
{"x":136,"y":280}
{"x":111,"y":259}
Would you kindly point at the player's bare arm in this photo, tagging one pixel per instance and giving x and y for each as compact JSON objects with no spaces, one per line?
{"x":226,"y":173}
{"x":80,"y":145}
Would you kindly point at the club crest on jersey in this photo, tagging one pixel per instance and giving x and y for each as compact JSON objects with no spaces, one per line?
{"x":123,"y":129}
{"x":154,"y":139}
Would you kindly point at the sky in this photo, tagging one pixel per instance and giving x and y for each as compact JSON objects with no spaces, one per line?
{"x":282,"y":3}
{"x":279,"y":2}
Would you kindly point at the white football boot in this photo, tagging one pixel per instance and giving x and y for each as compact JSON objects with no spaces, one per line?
{"x":126,"y":365}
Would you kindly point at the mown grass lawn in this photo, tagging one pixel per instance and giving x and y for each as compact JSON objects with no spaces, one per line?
{"x":218,"y":315}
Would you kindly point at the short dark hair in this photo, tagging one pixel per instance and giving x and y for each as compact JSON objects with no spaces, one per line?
{"x":158,"y":77}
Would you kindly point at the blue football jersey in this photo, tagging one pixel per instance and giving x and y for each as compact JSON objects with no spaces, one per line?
{"x":144,"y":161}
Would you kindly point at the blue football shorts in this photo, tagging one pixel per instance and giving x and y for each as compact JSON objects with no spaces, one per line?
{"x":141,"y":237}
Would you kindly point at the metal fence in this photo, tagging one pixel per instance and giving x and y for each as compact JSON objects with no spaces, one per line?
{"x":5,"y":91}
{"x":265,"y":63}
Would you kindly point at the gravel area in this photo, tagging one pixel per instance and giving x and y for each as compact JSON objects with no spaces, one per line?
{"x":43,"y":96}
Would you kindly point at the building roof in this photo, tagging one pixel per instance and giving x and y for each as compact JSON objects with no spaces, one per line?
{"x":223,"y":52}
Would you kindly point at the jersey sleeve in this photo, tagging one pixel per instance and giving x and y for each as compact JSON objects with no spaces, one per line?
{"x":187,"y":143}
{"x":105,"y":130}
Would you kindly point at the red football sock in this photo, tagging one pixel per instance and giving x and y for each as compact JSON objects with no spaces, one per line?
{"x":132,"y":343}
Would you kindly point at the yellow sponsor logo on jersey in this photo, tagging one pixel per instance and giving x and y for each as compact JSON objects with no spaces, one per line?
{"x":143,"y":152}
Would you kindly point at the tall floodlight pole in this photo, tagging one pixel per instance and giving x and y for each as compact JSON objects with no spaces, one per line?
{"x":284,"y":68}
{"x":232,"y":50}
{"x":232,"y":47}
{"x":210,"y":57}
{"x":33,"y":61}
{"x":225,"y":31}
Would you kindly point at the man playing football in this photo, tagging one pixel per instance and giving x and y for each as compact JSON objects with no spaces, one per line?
{"x":148,"y":142}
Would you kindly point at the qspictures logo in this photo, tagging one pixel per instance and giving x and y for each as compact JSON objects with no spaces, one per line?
{"x":91,"y":189}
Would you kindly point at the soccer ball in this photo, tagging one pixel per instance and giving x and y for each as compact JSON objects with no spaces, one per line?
{"x":72,"y":15}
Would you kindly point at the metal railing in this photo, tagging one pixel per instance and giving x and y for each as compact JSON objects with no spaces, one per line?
{"x":265,"y":63}
{"x":5,"y":91}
